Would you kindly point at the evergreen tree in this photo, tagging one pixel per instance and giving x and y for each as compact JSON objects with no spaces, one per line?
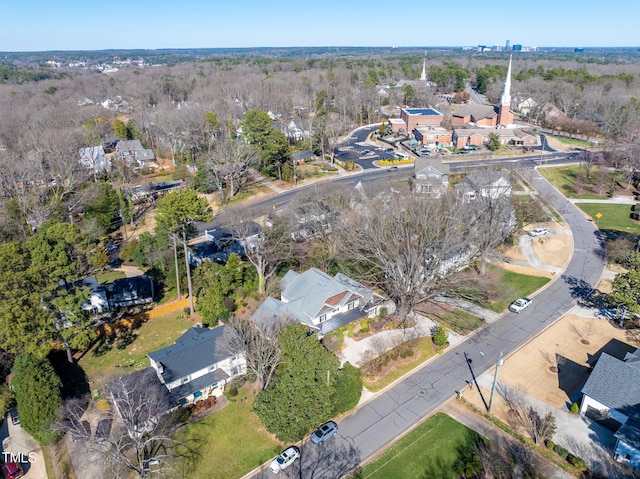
{"x":39,"y":395}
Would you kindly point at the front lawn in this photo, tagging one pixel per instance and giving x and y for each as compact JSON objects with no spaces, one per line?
{"x":564,"y":179}
{"x":230,"y":442}
{"x":126,"y":352}
{"x":434,"y":449}
{"x":394,"y":369}
{"x":512,"y":286}
{"x":109,"y":277}
{"x":614,"y":217}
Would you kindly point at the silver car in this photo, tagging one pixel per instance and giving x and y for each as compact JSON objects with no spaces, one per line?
{"x":324,"y":432}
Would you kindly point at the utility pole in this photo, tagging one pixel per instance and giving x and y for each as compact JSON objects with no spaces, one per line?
{"x":186,"y":260}
{"x":175,"y":255}
{"x":499,"y":363}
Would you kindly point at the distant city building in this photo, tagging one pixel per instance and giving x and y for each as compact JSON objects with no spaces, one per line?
{"x":517,"y":48}
{"x":507,"y":46}
{"x":578,"y":50}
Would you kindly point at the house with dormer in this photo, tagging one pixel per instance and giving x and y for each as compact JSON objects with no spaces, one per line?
{"x":132,"y":153}
{"x":197,"y":365}
{"x":321,"y":302}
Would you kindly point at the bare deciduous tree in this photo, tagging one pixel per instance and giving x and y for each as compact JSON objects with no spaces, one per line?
{"x":258,"y":343}
{"x":229,"y":164}
{"x":142,"y":437}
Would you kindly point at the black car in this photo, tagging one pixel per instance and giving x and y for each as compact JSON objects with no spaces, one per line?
{"x":15,"y":420}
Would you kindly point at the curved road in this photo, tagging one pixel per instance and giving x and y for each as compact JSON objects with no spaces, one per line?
{"x":393,"y":412}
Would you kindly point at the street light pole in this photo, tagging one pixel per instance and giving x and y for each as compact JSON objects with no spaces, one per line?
{"x":495,"y":380}
{"x":541,"y":148}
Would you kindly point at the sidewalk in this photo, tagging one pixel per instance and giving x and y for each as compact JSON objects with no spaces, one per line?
{"x":616,"y":200}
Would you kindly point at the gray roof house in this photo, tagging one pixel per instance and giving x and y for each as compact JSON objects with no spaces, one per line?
{"x":197,"y":365}
{"x":431,"y":177}
{"x":613,"y":392}
{"x":134,"y":154}
{"x":321,"y":302}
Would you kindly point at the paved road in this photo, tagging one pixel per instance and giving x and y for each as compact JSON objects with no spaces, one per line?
{"x":409,"y":401}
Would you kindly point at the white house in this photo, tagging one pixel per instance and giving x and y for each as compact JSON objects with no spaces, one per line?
{"x":93,"y":158}
{"x":197,"y":365}
{"x":322,"y":302}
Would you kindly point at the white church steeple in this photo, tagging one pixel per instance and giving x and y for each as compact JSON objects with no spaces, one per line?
{"x":505,"y":100}
{"x":423,"y":75}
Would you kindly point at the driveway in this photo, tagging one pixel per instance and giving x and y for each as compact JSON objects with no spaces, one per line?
{"x":26,"y":450}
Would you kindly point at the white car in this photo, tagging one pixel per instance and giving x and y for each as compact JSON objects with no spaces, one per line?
{"x":519,"y":304}
{"x":539,"y":232}
{"x":285,"y":459}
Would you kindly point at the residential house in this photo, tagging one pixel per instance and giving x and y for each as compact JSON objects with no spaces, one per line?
{"x":197,"y":365}
{"x":612,"y":393}
{"x":431,"y":176}
{"x":130,"y":291}
{"x":93,"y":158}
{"x":321,"y":302}
{"x":217,"y":247}
{"x":489,"y":185}
{"x":132,"y":153}
{"x":298,"y":130}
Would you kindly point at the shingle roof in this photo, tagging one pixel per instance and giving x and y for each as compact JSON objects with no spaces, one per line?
{"x":614,"y":383}
{"x":476,"y":112}
{"x":629,"y":433}
{"x":196,"y":349}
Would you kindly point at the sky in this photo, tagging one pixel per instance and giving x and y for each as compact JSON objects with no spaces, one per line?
{"x":45,"y":25}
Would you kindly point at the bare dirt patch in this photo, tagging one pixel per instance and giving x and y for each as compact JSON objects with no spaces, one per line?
{"x":573,"y":344}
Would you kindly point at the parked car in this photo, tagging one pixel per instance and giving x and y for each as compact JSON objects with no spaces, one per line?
{"x":519,"y":304}
{"x":82,"y":433}
{"x":539,"y":232}
{"x":15,"y":420}
{"x":12,"y":470}
{"x":324,"y":432}
{"x":285,"y":459}
{"x":392,"y":168}
{"x":103,"y":430}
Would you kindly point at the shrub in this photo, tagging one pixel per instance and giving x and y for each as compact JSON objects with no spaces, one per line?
{"x":576,"y":462}
{"x":348,"y":388}
{"x":560,"y":451}
{"x":550,"y":444}
{"x":383,"y":312}
{"x":440,"y":335}
{"x":575,"y":409}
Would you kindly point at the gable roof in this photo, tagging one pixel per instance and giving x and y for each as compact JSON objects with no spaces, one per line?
{"x":307,"y":295}
{"x":614,"y":383}
{"x":196,"y":349}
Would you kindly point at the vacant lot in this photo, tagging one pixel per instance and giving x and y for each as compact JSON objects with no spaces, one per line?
{"x":612,"y":217}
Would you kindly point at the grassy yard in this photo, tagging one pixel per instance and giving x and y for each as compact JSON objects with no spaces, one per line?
{"x":422,"y":352}
{"x":230,"y":442}
{"x":564,"y":178}
{"x":512,"y":286}
{"x":572,"y":141}
{"x":431,"y":450}
{"x":127,"y":352}
{"x":614,"y":217}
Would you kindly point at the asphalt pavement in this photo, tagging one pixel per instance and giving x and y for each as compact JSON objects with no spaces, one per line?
{"x":395,"y":411}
